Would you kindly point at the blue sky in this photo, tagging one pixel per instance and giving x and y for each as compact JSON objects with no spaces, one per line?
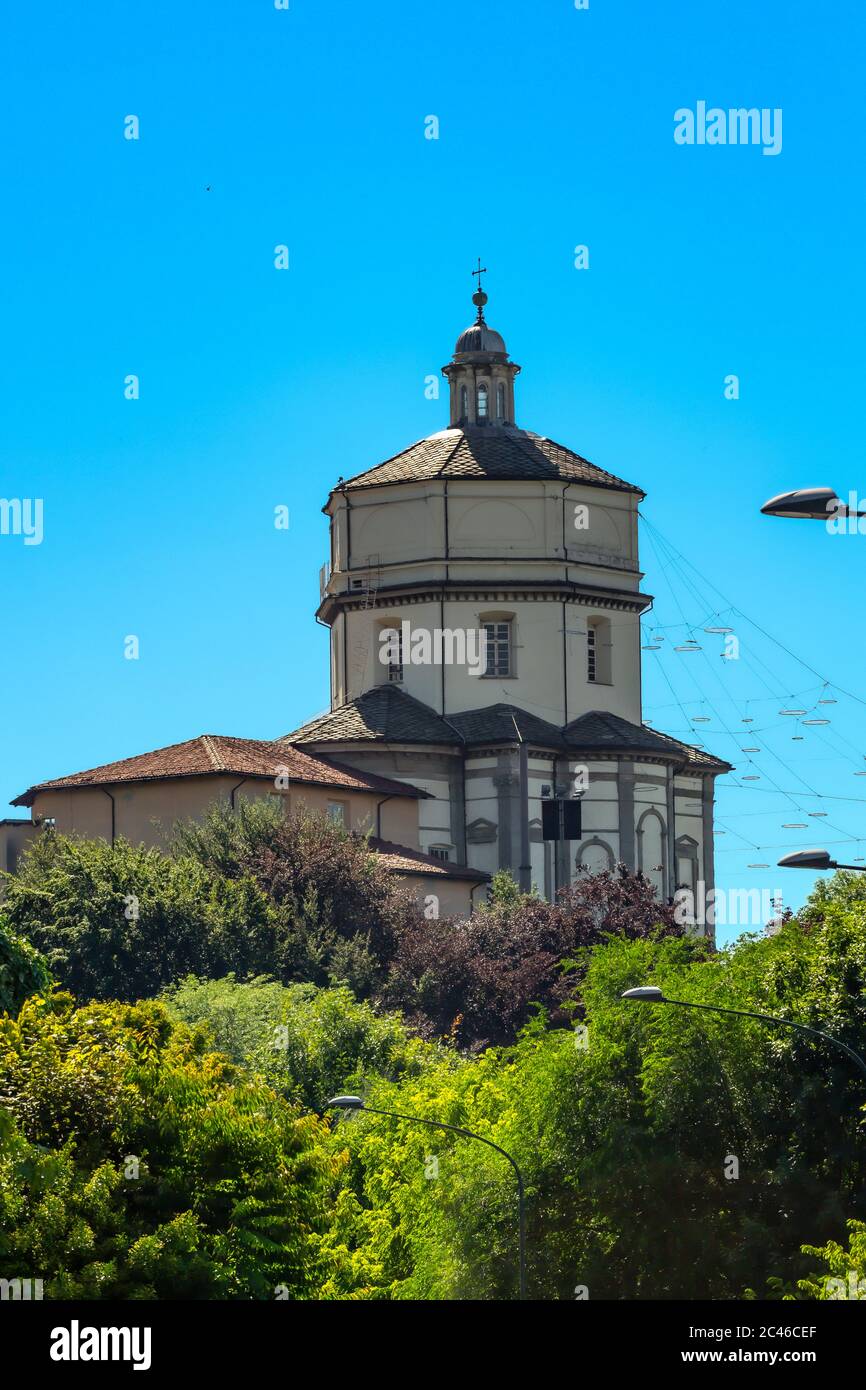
{"x":260,"y":387}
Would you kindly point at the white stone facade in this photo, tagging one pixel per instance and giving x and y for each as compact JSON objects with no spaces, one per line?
{"x":487,"y":528}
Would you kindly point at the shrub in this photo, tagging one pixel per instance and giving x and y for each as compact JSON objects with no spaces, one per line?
{"x":478,"y":980}
{"x":340,"y":912}
{"x":136,"y":1164}
{"x":120,"y":921}
{"x":22,"y":970}
{"x":309,"y":1043}
{"x":669,"y":1153}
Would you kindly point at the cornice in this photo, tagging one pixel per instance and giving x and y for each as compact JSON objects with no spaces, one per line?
{"x":525,"y":590}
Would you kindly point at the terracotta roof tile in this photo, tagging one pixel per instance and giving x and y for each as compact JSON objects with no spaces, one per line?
{"x":210,"y":754}
{"x":402,"y":860}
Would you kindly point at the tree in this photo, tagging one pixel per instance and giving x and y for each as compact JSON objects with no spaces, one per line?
{"x":669,"y":1153}
{"x":339,"y":909}
{"x":308,"y":1043}
{"x":121,"y":921}
{"x":136,"y":1164}
{"x":478,"y":980}
{"x":844,"y":1273}
{"x":22,"y":970}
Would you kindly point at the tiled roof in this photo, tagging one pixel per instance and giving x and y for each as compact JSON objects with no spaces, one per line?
{"x":495,"y":724}
{"x":602,"y":731}
{"x":488,"y":451}
{"x":210,"y":754}
{"x":384,"y":714}
{"x":401,"y":860}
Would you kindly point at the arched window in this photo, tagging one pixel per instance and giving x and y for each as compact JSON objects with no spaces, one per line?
{"x":595,"y":855}
{"x":464,"y":403}
{"x":481,"y":411}
{"x":500,"y":401}
{"x":651,"y":849}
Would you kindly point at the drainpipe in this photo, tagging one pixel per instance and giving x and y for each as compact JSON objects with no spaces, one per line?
{"x":379,"y":805}
{"x":564,"y":616}
{"x":345,"y":612}
{"x":234,"y":789}
{"x":442,"y":596}
{"x":113,"y":813}
{"x":472,"y":892}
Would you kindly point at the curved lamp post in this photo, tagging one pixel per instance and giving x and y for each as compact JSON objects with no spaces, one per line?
{"x":651,"y":994}
{"x":809,"y":504}
{"x":816,"y":859}
{"x":806,"y":504}
{"x":356,"y":1103}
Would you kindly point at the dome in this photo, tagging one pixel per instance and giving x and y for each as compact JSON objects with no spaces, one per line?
{"x":479,"y":338}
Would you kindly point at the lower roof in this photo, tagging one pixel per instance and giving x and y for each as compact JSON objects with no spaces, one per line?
{"x":402,"y":860}
{"x":210,"y":755}
{"x":386,"y":714}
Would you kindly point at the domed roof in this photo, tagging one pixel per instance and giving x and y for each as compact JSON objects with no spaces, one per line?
{"x":478,"y":337}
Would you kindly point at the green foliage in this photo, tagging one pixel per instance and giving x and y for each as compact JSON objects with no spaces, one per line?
{"x":136,"y":1164}
{"x":504,"y":890}
{"x":22,"y":970}
{"x":246,"y":892}
{"x":120,"y":921}
{"x":669,"y":1153}
{"x":844,"y":1273}
{"x":626,"y":1134}
{"x":309,"y":1043}
{"x":341,"y":912}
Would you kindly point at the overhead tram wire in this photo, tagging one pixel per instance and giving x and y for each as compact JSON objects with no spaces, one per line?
{"x":732,"y":608}
{"x":660,"y":545}
{"x":705,"y":698}
{"x":773,"y":695}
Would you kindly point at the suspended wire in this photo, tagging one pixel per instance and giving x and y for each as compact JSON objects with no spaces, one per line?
{"x":667,"y":558}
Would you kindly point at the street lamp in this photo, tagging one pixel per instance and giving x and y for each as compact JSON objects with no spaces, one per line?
{"x":651,"y":994}
{"x":815,"y":859}
{"x":808,"y":504}
{"x":356,"y":1103}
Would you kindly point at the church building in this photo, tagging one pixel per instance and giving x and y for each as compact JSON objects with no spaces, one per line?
{"x":484,"y":601}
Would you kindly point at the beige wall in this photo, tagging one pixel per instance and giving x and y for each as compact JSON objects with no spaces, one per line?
{"x":397,"y":820}
{"x":443,"y":897}
{"x":14,"y":839}
{"x":517,"y":533}
{"x":146,"y":811}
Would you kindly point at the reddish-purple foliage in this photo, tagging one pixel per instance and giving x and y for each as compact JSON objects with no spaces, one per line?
{"x":478,"y":979}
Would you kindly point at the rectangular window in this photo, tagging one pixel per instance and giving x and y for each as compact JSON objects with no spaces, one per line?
{"x":591,"y":654}
{"x":395,"y":662}
{"x":440,"y":852}
{"x":497,"y":638}
{"x":337,"y":812}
